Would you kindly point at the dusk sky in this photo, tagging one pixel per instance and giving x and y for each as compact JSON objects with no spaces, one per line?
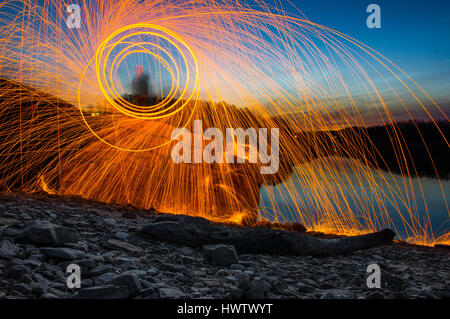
{"x":414,"y":34}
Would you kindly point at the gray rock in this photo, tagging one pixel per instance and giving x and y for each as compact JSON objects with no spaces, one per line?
{"x":35,"y":260}
{"x":47,"y":234}
{"x":152,"y":271}
{"x":108,"y":256}
{"x":8,"y":249}
{"x":170,"y":267}
{"x":237,"y":267}
{"x":62,"y":253}
{"x":172,"y":293}
{"x":11,"y":231}
{"x":121,"y":235}
{"x":243,"y":281}
{"x":100,"y":270}
{"x":59,"y":286}
{"x":16,"y":272}
{"x":129,"y":280}
{"x":150,"y":293}
{"x":118,"y":244}
{"x":39,"y":288}
{"x":102,"y":292}
{"x":26,"y":279}
{"x":110,"y":221}
{"x":124,"y":262}
{"x":258,"y":289}
{"x":196,"y":231}
{"x":104,"y":278}
{"x":221,"y":254}
{"x":8,"y":221}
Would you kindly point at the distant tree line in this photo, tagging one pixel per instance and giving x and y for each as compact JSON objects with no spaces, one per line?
{"x":416,"y":148}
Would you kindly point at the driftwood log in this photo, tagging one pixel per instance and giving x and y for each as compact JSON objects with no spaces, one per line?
{"x":196,"y":232}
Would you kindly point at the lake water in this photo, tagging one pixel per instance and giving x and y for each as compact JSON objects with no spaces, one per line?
{"x":355,"y":193}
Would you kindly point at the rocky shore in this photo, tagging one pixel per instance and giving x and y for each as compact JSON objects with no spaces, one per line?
{"x":122,"y":254}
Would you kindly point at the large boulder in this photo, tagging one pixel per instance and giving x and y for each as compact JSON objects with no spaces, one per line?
{"x":224,"y":255}
{"x":47,"y":234}
{"x":196,"y":232}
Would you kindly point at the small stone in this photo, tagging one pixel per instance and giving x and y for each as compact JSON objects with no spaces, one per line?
{"x":104,"y":278}
{"x":35,"y":260}
{"x":326,"y":285}
{"x":237,"y":267}
{"x":118,"y":244}
{"x":100,"y":270}
{"x":150,"y":292}
{"x":108,"y":256}
{"x":258,"y":289}
{"x":26,"y":279}
{"x":243,"y":281}
{"x":110,"y":221}
{"x":8,"y":249}
{"x":152,"y":271}
{"x":221,"y":254}
{"x":129,"y":280}
{"x":169,"y":267}
{"x":124,"y":262}
{"x":8,"y":221}
{"x":121,"y":235}
{"x":16,"y":272}
{"x":171,"y":293}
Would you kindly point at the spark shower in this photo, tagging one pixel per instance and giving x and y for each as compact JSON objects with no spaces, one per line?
{"x":68,"y":128}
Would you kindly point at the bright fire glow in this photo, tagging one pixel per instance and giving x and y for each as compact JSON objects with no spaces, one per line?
{"x":224,"y":62}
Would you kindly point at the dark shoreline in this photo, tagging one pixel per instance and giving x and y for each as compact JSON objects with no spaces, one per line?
{"x":110,"y":248}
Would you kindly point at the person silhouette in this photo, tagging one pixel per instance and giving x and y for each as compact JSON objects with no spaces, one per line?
{"x":140,"y":87}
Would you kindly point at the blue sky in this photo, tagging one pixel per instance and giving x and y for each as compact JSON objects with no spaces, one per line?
{"x":414,"y":34}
